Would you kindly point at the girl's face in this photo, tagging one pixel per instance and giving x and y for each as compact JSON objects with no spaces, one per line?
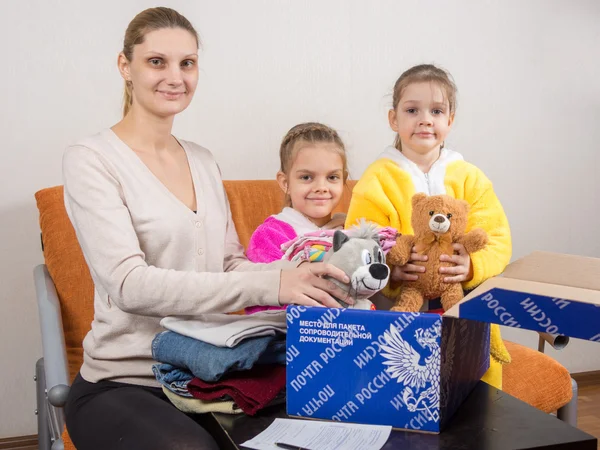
{"x":422,"y":118}
{"x":163,"y":71}
{"x":315,"y":182}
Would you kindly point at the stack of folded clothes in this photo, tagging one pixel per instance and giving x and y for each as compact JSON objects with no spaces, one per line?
{"x":221,"y":362}
{"x":314,"y":245}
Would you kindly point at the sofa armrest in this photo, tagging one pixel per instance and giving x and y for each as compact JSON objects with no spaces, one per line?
{"x":53,"y":340}
{"x":557,"y":341}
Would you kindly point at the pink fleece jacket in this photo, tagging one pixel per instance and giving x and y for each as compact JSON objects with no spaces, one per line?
{"x":265,"y":243}
{"x":265,"y":246}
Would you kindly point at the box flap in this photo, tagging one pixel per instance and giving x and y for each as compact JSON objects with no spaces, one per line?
{"x":554,"y":291}
{"x":557,"y":268}
{"x":556,"y":275}
{"x":531,"y":305}
{"x":545,"y":292}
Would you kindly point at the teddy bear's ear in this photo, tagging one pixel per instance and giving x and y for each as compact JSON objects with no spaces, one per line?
{"x":418,"y":198}
{"x":464,"y":205}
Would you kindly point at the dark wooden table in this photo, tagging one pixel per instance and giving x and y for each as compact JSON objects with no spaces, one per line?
{"x":489,"y":419}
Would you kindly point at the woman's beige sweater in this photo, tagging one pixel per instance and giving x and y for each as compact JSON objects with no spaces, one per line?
{"x":150,"y":256}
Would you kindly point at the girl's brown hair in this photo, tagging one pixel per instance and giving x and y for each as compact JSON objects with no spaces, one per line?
{"x":310,"y":133}
{"x":151,"y":19}
{"x":424,"y":73}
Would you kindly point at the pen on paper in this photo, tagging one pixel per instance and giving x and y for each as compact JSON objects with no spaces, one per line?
{"x":289,"y":446}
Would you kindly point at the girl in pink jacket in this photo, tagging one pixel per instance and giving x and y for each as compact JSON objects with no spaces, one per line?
{"x":313,"y":174}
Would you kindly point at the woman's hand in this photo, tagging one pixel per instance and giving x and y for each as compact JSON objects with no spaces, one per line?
{"x":462,"y":270}
{"x":304,"y":285}
{"x":409,"y":271}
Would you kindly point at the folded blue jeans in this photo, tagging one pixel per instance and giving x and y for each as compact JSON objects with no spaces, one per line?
{"x":209,"y":362}
{"x":173,"y":378}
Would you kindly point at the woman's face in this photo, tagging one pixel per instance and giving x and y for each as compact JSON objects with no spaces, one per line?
{"x":163,"y":71}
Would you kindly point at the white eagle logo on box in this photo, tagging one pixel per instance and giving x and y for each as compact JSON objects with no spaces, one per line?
{"x":404,"y":364}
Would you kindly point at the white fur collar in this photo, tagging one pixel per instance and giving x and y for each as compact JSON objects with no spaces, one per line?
{"x":301,"y":224}
{"x":431,"y":183}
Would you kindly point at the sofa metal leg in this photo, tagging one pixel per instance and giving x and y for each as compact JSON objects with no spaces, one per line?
{"x":568,"y":413}
{"x":49,"y":420}
{"x":44,"y":439}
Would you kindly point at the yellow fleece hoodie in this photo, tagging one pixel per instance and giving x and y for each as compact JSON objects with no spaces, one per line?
{"x":383,"y":195}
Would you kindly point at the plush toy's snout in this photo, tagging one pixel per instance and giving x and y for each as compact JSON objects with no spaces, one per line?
{"x":367,"y":280}
{"x":379,"y":271}
{"x":439,"y":223}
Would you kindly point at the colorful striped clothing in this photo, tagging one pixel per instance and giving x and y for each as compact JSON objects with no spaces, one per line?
{"x":266,"y":242}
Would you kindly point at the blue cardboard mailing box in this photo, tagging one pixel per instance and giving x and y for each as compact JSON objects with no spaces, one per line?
{"x":413,"y":370}
{"x":545,"y":292}
{"x":408,"y":370}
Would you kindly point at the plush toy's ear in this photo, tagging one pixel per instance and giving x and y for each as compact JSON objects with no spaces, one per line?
{"x":418,"y":198}
{"x":339,"y":238}
{"x":464,"y":205}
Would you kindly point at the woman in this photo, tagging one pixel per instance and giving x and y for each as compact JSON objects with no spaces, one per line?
{"x":153,"y":221}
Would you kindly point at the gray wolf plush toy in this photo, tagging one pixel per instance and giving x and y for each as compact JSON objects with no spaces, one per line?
{"x":358,"y":253}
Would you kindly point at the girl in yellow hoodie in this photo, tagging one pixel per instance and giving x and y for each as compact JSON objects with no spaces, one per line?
{"x":424,"y":104}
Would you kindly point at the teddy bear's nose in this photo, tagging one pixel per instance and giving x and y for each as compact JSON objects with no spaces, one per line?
{"x":439,"y":219}
{"x":379,"y":271}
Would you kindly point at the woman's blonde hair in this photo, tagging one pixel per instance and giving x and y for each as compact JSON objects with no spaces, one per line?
{"x":310,"y":133}
{"x":151,"y":19}
{"x":424,"y":73}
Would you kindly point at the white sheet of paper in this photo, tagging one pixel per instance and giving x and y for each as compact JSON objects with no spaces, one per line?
{"x":314,"y":435}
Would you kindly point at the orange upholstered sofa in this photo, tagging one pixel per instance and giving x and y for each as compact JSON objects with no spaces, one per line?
{"x":65,"y":297}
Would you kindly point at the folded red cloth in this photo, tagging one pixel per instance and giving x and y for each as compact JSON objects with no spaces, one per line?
{"x":251,"y":390}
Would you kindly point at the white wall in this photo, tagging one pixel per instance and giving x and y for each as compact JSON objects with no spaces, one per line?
{"x":529,"y":106}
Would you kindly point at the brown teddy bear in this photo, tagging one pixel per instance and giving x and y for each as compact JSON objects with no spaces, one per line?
{"x":438,"y":222}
